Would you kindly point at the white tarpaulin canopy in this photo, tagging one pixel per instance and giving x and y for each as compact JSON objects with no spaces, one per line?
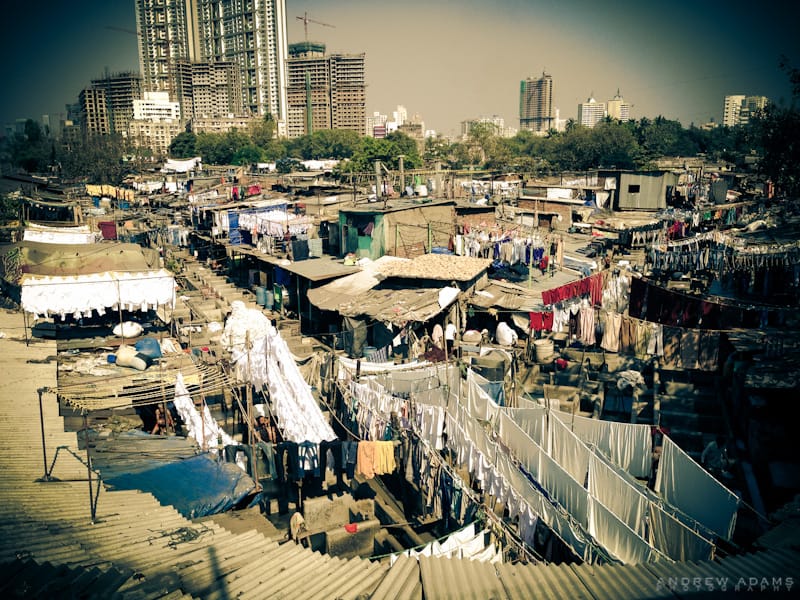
{"x":80,"y":234}
{"x":181,"y":166}
{"x":79,"y":295}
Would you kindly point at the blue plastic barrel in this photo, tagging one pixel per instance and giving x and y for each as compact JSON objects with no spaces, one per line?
{"x":261,"y":295}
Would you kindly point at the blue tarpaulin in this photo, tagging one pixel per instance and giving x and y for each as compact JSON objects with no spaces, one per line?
{"x":196,"y":487}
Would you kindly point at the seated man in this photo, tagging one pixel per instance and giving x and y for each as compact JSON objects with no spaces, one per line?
{"x":715,"y":458}
{"x":264,"y":432}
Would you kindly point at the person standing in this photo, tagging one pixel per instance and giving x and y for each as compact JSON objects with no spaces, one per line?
{"x":450,"y":332}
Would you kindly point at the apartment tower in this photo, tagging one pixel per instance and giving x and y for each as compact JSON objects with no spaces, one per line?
{"x":93,"y":112}
{"x":121,"y":89}
{"x":536,"y":104}
{"x":618,"y":109}
{"x":324,"y":91}
{"x":591,"y":112}
{"x":248,"y":33}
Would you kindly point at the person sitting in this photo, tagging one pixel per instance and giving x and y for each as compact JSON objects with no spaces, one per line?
{"x":715,"y":458}
{"x":163,"y":419}
{"x":264,"y":431}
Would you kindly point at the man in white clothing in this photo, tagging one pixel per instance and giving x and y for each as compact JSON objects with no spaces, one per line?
{"x":450,"y":331}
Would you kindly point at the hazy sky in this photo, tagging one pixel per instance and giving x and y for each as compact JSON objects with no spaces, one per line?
{"x":459,"y":59}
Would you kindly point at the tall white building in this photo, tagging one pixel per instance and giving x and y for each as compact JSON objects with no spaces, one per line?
{"x":730,"y":113}
{"x":750,"y":107}
{"x":618,"y":109}
{"x":376,"y":124}
{"x":250,"y":33}
{"x":400,"y":115}
{"x":156,"y":106}
{"x":591,"y":112}
{"x":164,"y":38}
{"x":739,"y":109}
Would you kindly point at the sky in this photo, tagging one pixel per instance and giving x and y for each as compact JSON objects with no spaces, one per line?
{"x":453,"y":60}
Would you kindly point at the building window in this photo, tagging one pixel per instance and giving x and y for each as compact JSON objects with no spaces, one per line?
{"x":633,"y":189}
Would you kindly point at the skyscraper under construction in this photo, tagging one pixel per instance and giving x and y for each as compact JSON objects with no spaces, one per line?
{"x":536,"y":104}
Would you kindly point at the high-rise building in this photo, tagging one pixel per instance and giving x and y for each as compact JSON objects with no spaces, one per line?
{"x":94,"y":112}
{"x":730,"y":113}
{"x":591,"y":112}
{"x":400,"y":115}
{"x":253,"y":35}
{"x":249,"y":33}
{"x":163,"y":28}
{"x":751,"y":106}
{"x":739,"y":109}
{"x":324,"y":91}
{"x":121,"y":89}
{"x":209,"y":89}
{"x":618,"y":109}
{"x":536,"y":104}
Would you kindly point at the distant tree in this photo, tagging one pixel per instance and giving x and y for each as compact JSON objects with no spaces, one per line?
{"x":262,"y":133}
{"x":574,"y":149}
{"x":248,"y":155}
{"x":387,"y":150}
{"x":437,"y":149}
{"x":183,"y":145}
{"x":33,"y":131}
{"x":500,"y":155}
{"x":480,"y":140}
{"x":221,"y":148}
{"x":99,"y":158}
{"x":777,"y":130}
{"x":288,"y":165}
{"x":615,"y":145}
{"x":9,"y":209}
{"x":326,"y":143}
{"x":403,"y":144}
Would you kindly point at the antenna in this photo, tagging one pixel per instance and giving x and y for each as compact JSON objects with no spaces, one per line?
{"x":306,"y":21}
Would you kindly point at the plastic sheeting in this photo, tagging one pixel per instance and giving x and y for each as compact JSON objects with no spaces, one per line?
{"x":196,"y":487}
{"x":687,"y":486}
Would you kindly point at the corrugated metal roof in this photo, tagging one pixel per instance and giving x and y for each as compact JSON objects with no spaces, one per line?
{"x":401,"y":582}
{"x":542,"y":581}
{"x":506,"y":295}
{"x":317,"y":269}
{"x":449,"y":578}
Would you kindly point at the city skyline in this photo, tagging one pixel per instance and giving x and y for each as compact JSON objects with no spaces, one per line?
{"x":450,"y":63}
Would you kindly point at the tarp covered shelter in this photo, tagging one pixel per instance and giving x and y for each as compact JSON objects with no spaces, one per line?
{"x":61,"y":279}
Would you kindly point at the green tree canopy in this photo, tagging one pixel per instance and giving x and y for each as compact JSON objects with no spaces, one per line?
{"x":183,"y":145}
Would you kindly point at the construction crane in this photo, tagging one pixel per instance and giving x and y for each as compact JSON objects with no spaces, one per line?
{"x":306,"y":21}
